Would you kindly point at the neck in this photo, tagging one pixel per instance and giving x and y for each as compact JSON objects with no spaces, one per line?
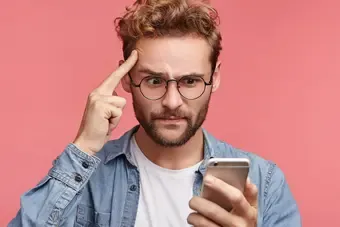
{"x":176,"y":158}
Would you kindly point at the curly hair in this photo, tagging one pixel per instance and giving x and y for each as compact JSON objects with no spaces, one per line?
{"x":160,"y":18}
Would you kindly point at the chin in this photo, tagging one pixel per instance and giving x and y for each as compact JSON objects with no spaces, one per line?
{"x":173,"y":137}
{"x":169,"y":134}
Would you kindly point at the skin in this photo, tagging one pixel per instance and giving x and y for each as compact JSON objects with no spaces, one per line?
{"x":179,"y":144}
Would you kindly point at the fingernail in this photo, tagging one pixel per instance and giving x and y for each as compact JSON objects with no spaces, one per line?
{"x":208,"y":179}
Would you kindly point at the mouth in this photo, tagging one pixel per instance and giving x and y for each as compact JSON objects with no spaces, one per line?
{"x":171,"y":120}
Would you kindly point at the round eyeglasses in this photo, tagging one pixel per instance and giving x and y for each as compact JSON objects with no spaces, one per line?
{"x":155,"y":87}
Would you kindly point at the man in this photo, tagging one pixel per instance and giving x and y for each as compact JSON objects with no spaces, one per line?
{"x":152,"y":175}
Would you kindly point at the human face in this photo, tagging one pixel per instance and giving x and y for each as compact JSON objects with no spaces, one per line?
{"x":171,"y":120}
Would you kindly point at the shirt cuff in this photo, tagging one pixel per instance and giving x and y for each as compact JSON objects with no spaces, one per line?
{"x":74,"y":167}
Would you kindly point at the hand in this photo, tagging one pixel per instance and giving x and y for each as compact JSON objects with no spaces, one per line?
{"x":244,"y":212}
{"x":103,"y":110}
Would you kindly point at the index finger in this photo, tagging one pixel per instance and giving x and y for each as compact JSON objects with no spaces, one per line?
{"x":111,"y":82}
{"x":251,"y":193}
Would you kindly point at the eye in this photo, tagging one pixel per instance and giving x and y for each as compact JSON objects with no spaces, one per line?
{"x":190,"y":81}
{"x":154,"y":80}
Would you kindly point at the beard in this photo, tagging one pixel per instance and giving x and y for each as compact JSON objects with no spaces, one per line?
{"x":153,"y":132}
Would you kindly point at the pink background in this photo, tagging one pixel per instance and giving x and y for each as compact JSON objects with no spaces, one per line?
{"x":279,"y":96}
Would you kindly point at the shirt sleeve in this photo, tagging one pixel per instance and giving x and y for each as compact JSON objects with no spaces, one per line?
{"x":44,"y":205}
{"x":280,"y":206}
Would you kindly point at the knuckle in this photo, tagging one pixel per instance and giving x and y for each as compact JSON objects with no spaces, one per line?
{"x":115,"y":111}
{"x":193,"y":202}
{"x":94,"y":92}
{"x":255,"y":189}
{"x":119,"y":112}
{"x":93,"y":96}
{"x":253,"y":217}
{"x":124,"y":101}
{"x":238,"y":197}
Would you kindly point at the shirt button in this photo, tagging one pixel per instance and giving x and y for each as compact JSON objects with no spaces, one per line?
{"x":133,"y":188}
{"x":55,"y":216}
{"x":78,"y":178}
{"x":85,"y":165}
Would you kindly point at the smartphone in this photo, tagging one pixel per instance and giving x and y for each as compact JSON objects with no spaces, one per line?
{"x":233,"y":171}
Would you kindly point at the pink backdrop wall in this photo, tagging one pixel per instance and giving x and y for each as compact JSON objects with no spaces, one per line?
{"x":279,"y":96}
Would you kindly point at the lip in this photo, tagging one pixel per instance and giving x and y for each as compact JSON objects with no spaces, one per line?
{"x":170,"y":120}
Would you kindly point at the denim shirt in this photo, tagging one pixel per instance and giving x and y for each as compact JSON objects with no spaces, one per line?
{"x":103,"y":190}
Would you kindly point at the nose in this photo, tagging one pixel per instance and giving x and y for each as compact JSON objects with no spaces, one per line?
{"x":172,"y":98}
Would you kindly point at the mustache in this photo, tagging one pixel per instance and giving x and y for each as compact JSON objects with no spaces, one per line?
{"x":169,"y":114}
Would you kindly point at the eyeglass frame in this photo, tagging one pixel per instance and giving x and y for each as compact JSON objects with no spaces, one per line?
{"x":166,"y":86}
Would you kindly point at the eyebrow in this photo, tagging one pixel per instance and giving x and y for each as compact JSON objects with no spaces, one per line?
{"x":163,"y":74}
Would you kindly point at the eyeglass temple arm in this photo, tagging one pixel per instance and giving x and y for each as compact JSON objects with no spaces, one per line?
{"x":132,"y":82}
{"x":211,"y":79}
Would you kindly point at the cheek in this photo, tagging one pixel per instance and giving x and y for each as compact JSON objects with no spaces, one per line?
{"x":192,"y":108}
{"x":142,"y":104}
{"x":198,"y":105}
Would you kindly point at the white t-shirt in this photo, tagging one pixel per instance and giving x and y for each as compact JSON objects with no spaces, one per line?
{"x":164,"y":193}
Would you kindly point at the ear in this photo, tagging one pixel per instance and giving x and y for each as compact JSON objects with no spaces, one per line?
{"x":216,"y":77}
{"x":125,"y":81}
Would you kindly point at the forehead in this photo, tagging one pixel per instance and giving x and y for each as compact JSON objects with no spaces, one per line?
{"x":174,"y":55}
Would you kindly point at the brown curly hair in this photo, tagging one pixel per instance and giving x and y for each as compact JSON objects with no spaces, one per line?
{"x":159,"y":18}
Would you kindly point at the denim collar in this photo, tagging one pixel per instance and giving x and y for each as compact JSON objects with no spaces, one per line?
{"x":121,"y":146}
